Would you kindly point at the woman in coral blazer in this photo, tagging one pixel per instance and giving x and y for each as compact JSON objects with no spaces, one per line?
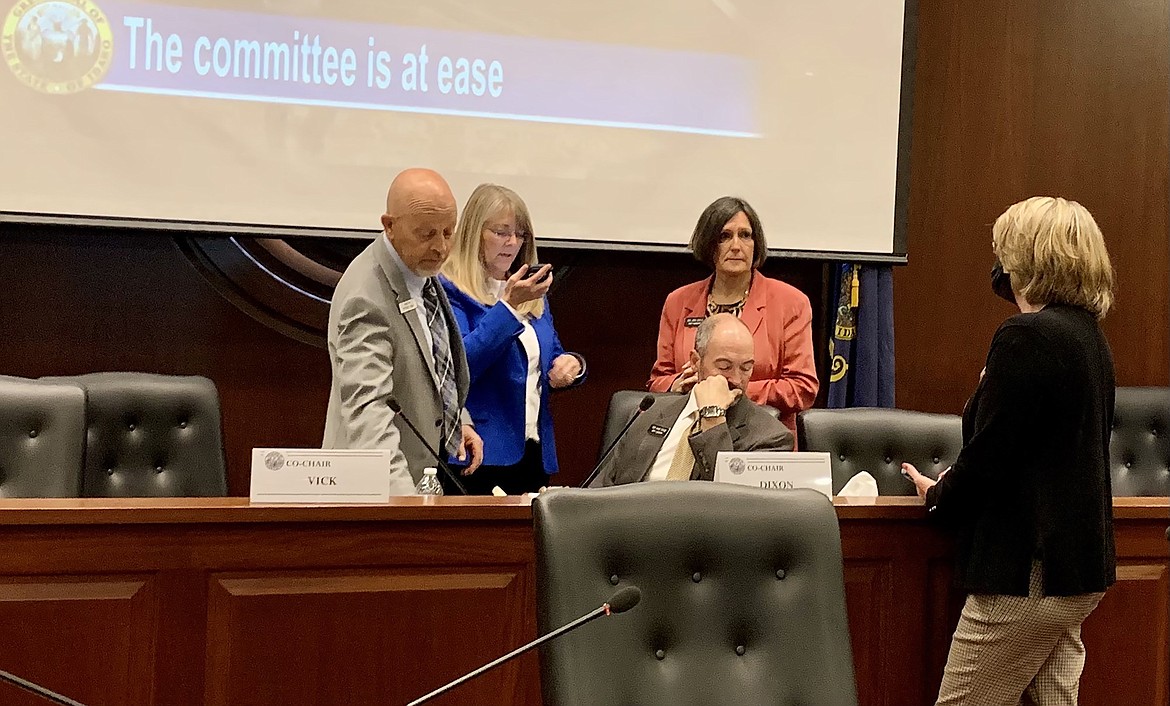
{"x":730,"y":240}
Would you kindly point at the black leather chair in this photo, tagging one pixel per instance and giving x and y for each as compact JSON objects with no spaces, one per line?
{"x":879,"y":440}
{"x":152,"y":436}
{"x":743,"y":600}
{"x":42,"y":438}
{"x":623,"y":405}
{"x":1139,"y":447}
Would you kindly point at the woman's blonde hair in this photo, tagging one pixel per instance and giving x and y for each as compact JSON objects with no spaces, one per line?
{"x":465,"y":266}
{"x":1055,"y":254}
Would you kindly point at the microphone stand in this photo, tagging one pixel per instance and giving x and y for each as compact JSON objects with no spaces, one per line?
{"x":597,"y":613}
{"x":613,"y":445}
{"x":451,"y":475}
{"x":37,"y":689}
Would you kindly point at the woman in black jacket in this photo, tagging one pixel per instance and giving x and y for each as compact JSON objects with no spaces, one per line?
{"x":1029,"y":496}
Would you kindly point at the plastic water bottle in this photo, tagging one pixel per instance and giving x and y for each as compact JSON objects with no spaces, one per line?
{"x":429,"y":485}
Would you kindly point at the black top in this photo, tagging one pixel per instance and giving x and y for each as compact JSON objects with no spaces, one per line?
{"x":1032,"y":480}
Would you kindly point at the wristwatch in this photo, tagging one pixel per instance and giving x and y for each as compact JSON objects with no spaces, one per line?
{"x":712,"y":412}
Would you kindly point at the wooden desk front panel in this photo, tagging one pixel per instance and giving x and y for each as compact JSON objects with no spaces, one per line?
{"x":279,"y":614}
{"x":217,"y":603}
{"x":1127,"y":638}
{"x":901,"y":607}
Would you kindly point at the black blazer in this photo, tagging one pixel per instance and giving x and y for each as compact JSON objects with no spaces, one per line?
{"x":1032,"y":480}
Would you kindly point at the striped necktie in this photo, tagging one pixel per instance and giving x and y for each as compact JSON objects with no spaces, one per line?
{"x":444,"y":368}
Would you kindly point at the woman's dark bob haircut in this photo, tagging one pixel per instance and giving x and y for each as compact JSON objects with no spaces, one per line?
{"x":705,"y":239}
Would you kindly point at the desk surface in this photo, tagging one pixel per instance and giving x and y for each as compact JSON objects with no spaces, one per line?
{"x":84,"y":511}
{"x":217,"y":602}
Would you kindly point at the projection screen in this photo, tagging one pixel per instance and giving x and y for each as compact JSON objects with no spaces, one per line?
{"x":618,"y":121}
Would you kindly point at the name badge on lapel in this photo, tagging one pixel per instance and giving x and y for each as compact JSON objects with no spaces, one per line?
{"x":693,"y":321}
{"x":656,"y":430}
{"x":407,"y":306}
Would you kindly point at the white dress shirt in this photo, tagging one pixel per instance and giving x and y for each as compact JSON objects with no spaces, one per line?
{"x":678,"y":435}
{"x":532,"y":348}
{"x":414,"y":287}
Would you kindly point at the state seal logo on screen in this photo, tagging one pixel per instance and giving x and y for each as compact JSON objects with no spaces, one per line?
{"x":57,"y":46}
{"x":274,"y":460}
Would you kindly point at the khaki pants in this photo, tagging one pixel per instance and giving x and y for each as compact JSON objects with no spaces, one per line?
{"x":1011,"y":650}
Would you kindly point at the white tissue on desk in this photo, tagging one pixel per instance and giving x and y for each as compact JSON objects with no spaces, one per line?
{"x":861,"y":485}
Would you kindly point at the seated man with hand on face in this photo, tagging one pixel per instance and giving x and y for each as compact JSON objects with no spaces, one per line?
{"x":679,"y":438}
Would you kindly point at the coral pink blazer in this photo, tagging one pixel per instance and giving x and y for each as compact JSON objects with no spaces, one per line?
{"x":780,"y":319}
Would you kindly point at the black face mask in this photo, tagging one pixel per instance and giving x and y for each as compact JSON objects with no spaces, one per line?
{"x":1001,"y":284}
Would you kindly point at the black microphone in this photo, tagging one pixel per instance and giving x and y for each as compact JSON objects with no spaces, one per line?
{"x":622,"y":600}
{"x":451,"y":475}
{"x":40,"y":690}
{"x":646,"y":403}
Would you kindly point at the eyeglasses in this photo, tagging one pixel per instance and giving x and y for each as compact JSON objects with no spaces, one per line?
{"x":506,"y":233}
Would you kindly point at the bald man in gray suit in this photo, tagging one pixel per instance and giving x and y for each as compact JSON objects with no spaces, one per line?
{"x":680,"y":438}
{"x":392,"y":333}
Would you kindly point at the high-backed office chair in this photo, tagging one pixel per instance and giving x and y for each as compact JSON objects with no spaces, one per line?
{"x":1139,"y":447}
{"x":152,"y":436}
{"x":879,"y":441}
{"x":42,"y":438}
{"x":624,"y":404}
{"x":743,"y":600}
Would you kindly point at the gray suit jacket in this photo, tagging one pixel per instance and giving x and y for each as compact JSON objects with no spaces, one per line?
{"x":377,"y":351}
{"x":749,"y":427}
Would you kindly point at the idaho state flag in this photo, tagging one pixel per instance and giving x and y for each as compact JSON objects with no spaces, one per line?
{"x":862,"y":347}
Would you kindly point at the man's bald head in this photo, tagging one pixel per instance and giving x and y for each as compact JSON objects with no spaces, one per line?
{"x":418,"y":188}
{"x":724,"y":346}
{"x":419,"y":219}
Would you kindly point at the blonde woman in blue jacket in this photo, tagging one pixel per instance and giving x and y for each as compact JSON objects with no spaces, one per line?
{"x":514,"y":355}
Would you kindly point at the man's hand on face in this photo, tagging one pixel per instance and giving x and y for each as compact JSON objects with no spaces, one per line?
{"x":715,"y":391}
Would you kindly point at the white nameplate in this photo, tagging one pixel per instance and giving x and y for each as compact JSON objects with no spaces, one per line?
{"x":335,"y":476}
{"x":776,"y":470}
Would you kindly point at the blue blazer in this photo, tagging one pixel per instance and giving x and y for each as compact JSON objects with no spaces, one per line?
{"x":498,"y":367}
